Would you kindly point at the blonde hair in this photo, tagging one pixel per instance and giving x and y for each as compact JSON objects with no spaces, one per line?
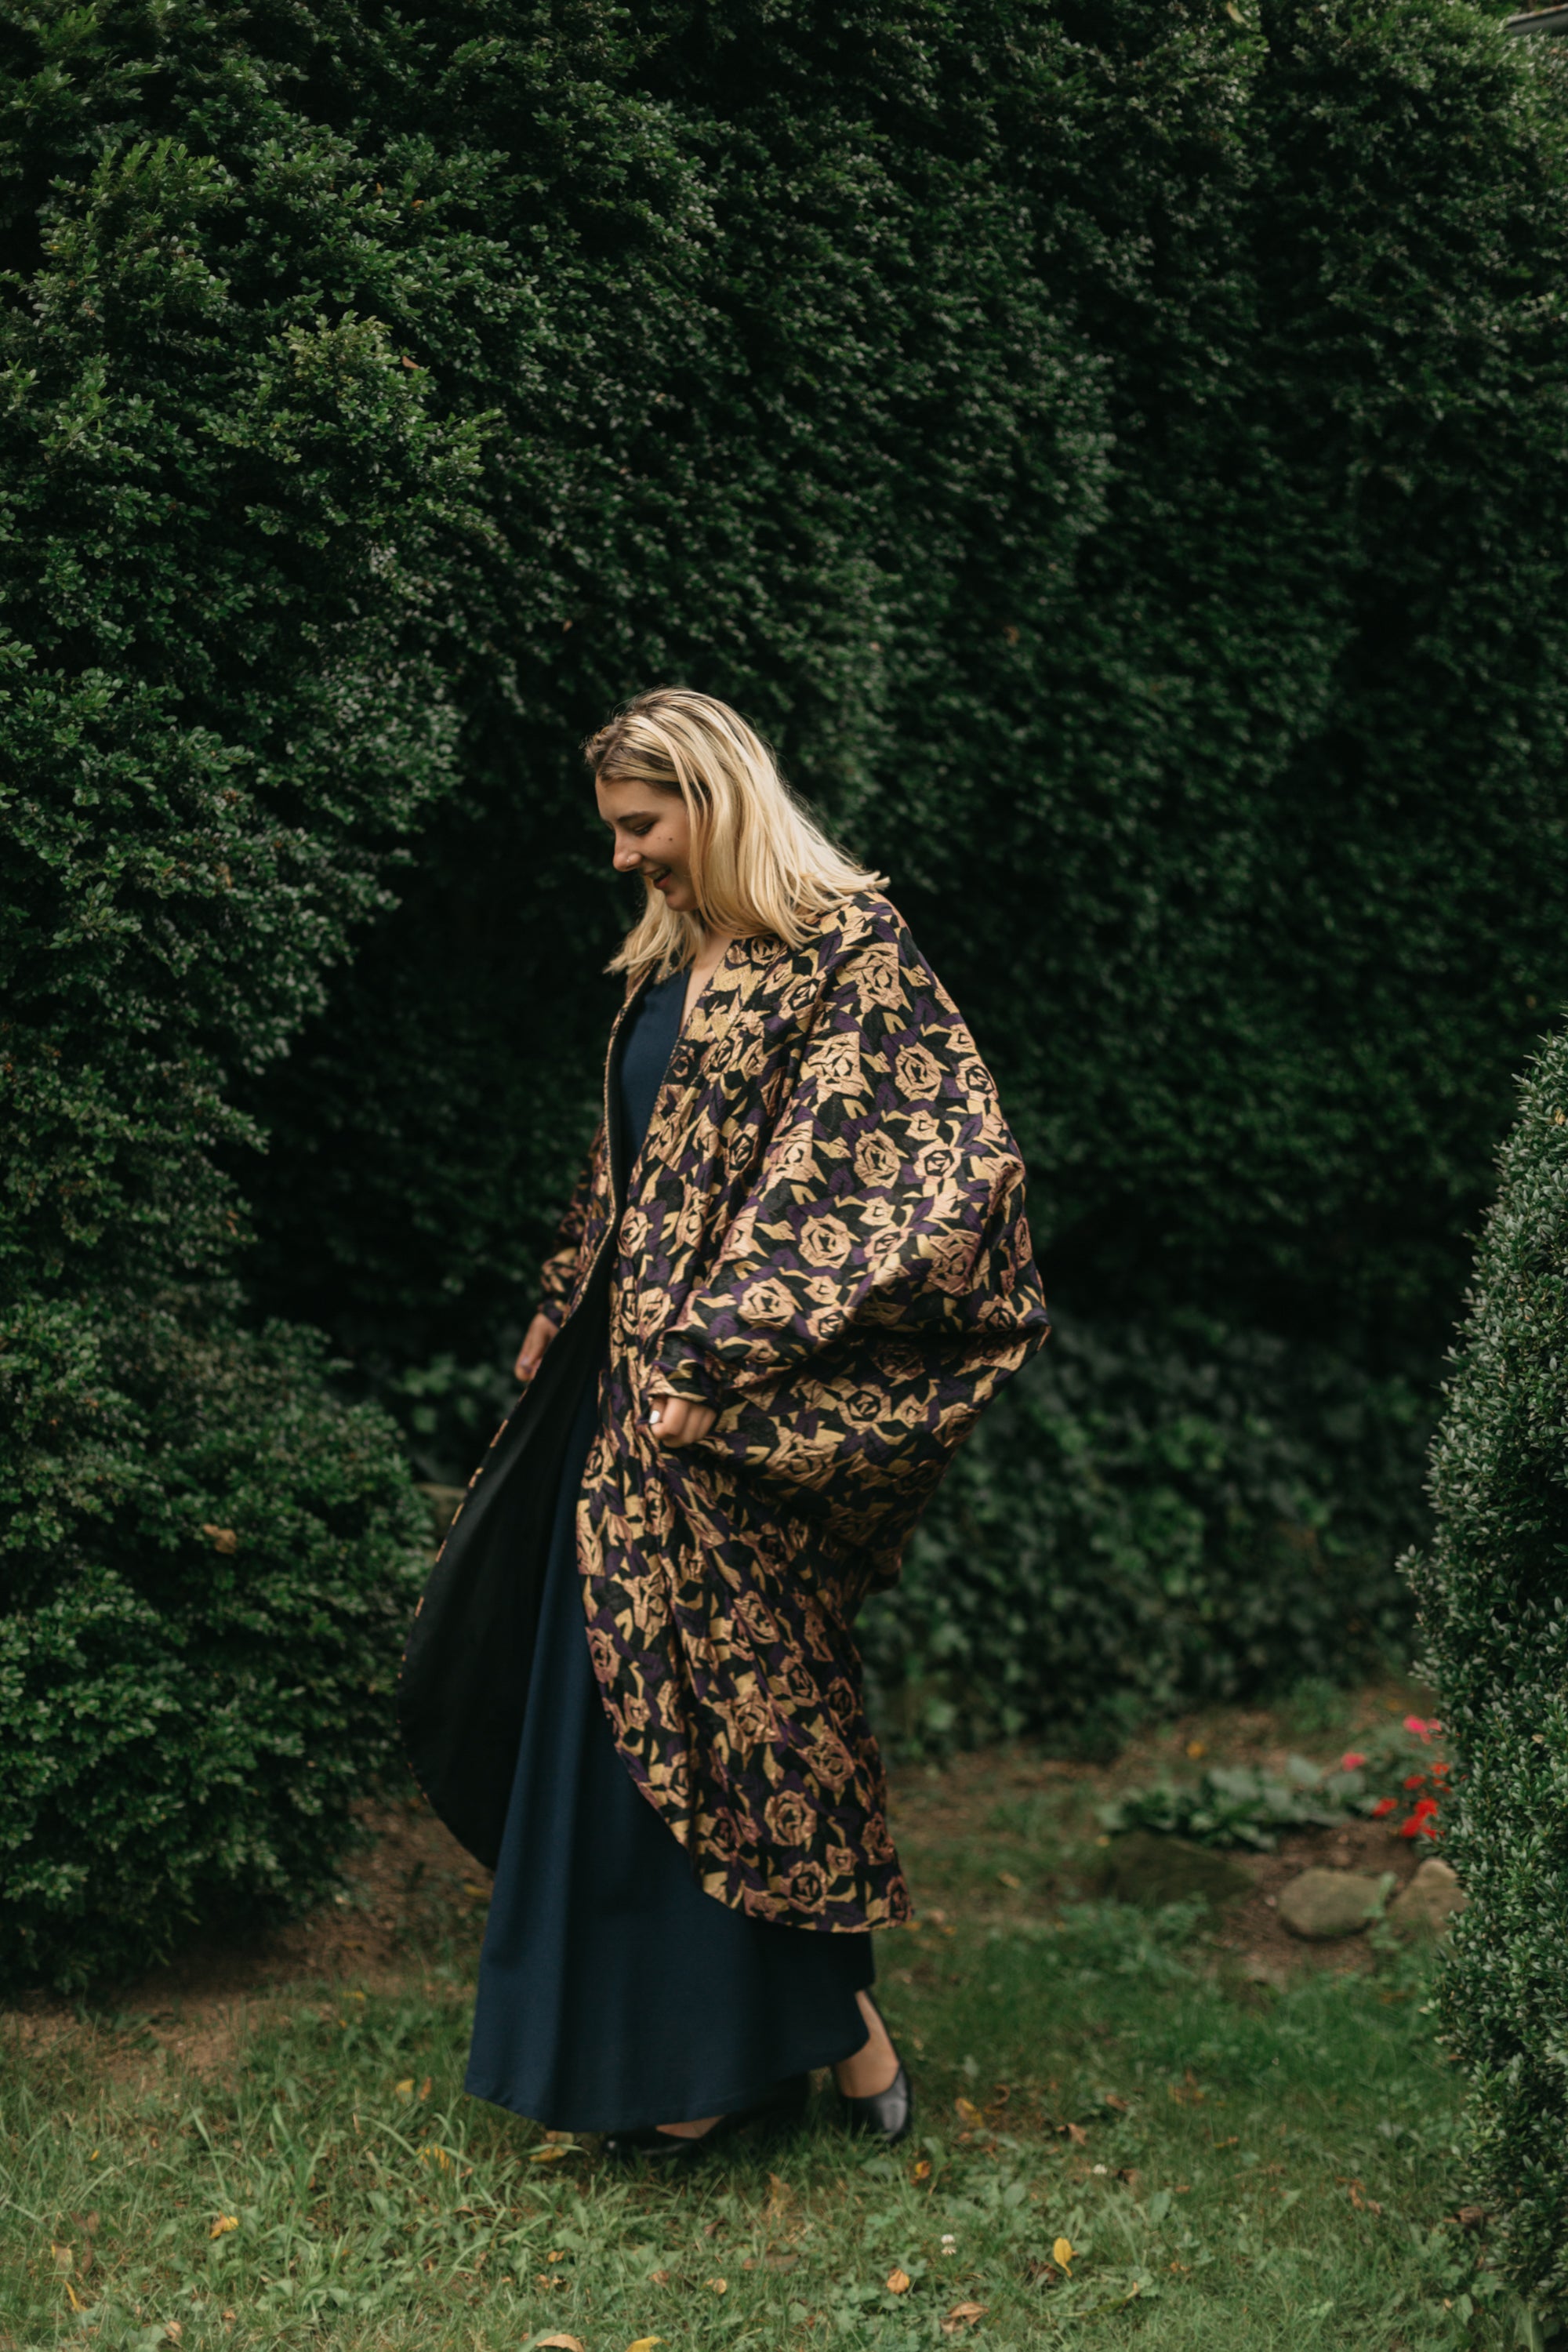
{"x":760,"y":863}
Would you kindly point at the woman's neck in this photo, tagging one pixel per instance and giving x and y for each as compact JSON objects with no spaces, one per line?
{"x":714,"y":947}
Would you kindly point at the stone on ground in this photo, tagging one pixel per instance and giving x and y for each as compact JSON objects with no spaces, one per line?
{"x":1425,"y":1907}
{"x":1323,"y":1903}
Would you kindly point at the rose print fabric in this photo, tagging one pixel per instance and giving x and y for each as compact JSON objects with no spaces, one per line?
{"x":823,"y":1237}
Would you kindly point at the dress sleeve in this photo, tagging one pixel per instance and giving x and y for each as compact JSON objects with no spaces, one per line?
{"x":558,"y":1274}
{"x":890,"y":1201}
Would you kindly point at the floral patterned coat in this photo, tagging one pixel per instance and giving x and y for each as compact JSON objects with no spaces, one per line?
{"x":823,"y":1237}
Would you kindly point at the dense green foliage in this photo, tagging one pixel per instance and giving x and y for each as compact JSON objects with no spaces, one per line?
{"x":212,"y":1568}
{"x":1148,"y":1518}
{"x":1117,"y":452}
{"x":1493,"y":1594}
{"x":224,"y":505}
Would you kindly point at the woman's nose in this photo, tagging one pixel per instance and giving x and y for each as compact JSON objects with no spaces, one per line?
{"x":626,"y":857}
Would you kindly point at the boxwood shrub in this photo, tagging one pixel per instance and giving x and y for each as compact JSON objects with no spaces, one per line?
{"x":208,"y":1568}
{"x":1492,"y":1589}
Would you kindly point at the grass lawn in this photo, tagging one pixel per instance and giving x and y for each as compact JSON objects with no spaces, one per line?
{"x":1239,"y":2152}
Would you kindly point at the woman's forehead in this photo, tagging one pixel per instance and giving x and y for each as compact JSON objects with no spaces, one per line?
{"x":625,"y":798}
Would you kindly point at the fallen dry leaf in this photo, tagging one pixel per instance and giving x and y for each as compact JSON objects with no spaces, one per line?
{"x":1006,"y":1878}
{"x":1111,"y":2100}
{"x":899,"y":2281}
{"x":553,"y":2153}
{"x":720,"y":2287}
{"x":659,"y":2278}
{"x":921,"y":2171}
{"x":644,"y":2344}
{"x":1061,"y":2254}
{"x":963,"y":2315}
{"x":64,"y":2258}
{"x":404,"y":2089}
{"x":967,"y":2111}
{"x":562,"y":2343}
{"x":222,"y":1540}
{"x":1077,"y":2134}
{"x":173,"y":2331}
{"x":224,"y":2224}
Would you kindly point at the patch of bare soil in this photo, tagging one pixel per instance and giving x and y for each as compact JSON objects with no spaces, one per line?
{"x":1252,"y":1927}
{"x":410,"y":1898}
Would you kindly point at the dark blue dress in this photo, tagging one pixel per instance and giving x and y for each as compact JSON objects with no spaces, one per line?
{"x":613,"y":1992}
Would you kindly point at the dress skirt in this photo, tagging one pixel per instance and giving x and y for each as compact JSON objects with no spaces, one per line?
{"x":613,"y":1991}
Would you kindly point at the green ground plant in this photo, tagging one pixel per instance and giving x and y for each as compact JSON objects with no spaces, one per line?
{"x":1493,"y":1596}
{"x":1394,"y":1776}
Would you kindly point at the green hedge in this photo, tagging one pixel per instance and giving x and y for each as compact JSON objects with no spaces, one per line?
{"x":1493,"y":1596}
{"x":210,"y":1571}
{"x":1151,"y":1517}
{"x":1119,"y":454}
{"x":227,"y":507}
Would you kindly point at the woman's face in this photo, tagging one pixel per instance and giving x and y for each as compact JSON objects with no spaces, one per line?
{"x":652,"y":836}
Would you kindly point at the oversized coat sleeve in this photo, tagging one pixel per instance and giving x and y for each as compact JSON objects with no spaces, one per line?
{"x":558,"y":1274}
{"x":889,"y":1205}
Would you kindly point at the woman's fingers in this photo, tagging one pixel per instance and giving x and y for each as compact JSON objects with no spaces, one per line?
{"x":674,"y":1421}
{"x":535,"y":1341}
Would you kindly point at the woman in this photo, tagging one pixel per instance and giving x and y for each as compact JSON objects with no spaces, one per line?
{"x":794,"y":1270}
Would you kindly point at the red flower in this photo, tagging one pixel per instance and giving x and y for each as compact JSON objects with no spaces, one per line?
{"x":1439,"y":1772}
{"x":1351,"y":1762}
{"x":1421,"y":1823}
{"x":1384,"y":1805}
{"x":1416,"y":1781}
{"x":1422,"y":1730}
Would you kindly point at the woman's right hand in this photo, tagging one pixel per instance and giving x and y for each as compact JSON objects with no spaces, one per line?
{"x":531,"y":1355}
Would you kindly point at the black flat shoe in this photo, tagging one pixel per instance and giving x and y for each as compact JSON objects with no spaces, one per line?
{"x":779,"y":2112}
{"x":885,"y":2114}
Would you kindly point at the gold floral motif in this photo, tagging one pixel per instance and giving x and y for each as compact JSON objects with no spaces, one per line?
{"x":827,"y":1242}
